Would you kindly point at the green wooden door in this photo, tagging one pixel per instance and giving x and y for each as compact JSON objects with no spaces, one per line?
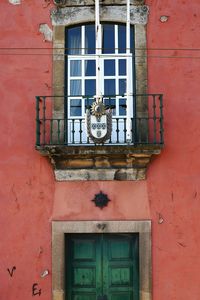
{"x":102,"y":267}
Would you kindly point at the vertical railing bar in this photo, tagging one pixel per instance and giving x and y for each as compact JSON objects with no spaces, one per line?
{"x":161,"y":119}
{"x":154,"y":119}
{"x":58,"y":121}
{"x":117,"y":119}
{"x":87,"y":101}
{"x":147,"y":121}
{"x":73,"y":131}
{"x":37,"y":121}
{"x":66,"y":119}
{"x":135,"y":120}
{"x":124,"y":130}
{"x":80,"y":124}
{"x":133,"y":138}
{"x":87,"y":107}
{"x":51,"y":131}
{"x":109,"y":104}
{"x":44,"y":119}
{"x":147,"y":134}
{"x":64,"y":130}
{"x":140,"y":132}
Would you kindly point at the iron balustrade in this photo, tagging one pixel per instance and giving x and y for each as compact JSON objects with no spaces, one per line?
{"x":53,"y":128}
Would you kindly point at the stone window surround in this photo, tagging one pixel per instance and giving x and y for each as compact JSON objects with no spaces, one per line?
{"x":70,"y":16}
{"x":60,"y":228}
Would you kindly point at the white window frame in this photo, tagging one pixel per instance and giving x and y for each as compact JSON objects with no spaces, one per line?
{"x":102,"y":57}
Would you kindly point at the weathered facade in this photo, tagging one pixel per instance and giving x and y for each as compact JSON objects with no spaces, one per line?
{"x":85,"y":221}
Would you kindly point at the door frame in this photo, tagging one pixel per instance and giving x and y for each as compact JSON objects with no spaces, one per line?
{"x":60,"y":228}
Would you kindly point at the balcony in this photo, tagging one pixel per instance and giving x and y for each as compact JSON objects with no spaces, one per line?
{"x":75,"y":157}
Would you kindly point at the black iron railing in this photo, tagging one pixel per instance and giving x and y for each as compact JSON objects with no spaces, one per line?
{"x":53,"y":127}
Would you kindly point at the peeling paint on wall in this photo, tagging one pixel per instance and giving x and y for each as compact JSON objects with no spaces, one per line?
{"x":14,"y":2}
{"x":46,"y":30}
{"x":164,"y":19}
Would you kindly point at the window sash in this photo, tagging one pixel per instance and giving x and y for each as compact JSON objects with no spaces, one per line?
{"x":120,"y":109}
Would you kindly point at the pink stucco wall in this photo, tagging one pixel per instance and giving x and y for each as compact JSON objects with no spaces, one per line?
{"x":30,"y":198}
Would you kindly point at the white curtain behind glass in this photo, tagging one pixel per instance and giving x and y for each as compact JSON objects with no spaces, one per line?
{"x":75,"y":67}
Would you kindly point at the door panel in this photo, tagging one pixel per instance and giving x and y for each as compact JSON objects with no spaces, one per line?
{"x":120,"y":261}
{"x":102,"y":266}
{"x":83,"y":267}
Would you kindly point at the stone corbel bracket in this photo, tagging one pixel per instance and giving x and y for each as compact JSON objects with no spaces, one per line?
{"x":99,"y":163}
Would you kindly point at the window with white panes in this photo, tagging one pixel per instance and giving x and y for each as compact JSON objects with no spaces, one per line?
{"x":80,"y":78}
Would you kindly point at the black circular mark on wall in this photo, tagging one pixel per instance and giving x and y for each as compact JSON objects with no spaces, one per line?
{"x":101,"y":200}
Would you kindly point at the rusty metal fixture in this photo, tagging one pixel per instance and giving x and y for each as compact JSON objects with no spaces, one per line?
{"x":101,"y":200}
{"x":98,"y":109}
{"x":60,"y":3}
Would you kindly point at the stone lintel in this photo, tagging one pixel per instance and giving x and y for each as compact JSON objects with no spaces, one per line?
{"x":64,"y":3}
{"x":76,"y":15}
{"x":100,"y":174}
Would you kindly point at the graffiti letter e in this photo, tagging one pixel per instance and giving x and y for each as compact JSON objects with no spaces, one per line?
{"x":35,"y":290}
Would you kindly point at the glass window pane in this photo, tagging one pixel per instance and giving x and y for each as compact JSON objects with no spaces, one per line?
{"x":122,"y":107}
{"x":108,"y":39}
{"x":75,"y":87}
{"x":122,"y":67}
{"x":109,"y":67}
{"x":90,"y":87}
{"x":90,"y":39}
{"x":74,"y":40}
{"x":90,"y":68}
{"x":75,"y":68}
{"x":122,"y":38}
{"x":75,"y":107}
{"x":109,"y":87}
{"x":122,"y":86}
{"x":88,"y":102}
{"x":132,"y":42}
